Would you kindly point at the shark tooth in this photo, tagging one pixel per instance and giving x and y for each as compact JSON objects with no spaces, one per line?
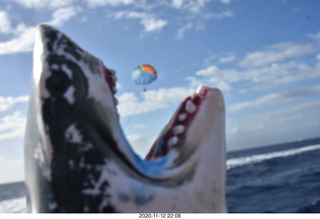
{"x":182,"y":117}
{"x":173,"y":141}
{"x":179,"y":129}
{"x":190,"y":107}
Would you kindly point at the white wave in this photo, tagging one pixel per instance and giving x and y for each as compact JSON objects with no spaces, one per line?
{"x":17,"y":205}
{"x":234,"y":162}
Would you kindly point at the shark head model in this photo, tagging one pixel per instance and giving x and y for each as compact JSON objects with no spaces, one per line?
{"x":77,"y":158}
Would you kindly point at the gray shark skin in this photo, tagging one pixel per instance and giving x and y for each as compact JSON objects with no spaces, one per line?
{"x":77,"y":158}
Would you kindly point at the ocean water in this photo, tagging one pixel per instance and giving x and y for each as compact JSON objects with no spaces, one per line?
{"x":283,"y":178}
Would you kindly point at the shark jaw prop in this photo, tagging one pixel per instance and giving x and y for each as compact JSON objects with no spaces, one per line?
{"x":77,"y":158}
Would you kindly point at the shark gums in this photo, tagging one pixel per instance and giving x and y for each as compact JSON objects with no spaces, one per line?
{"x":77,"y":158}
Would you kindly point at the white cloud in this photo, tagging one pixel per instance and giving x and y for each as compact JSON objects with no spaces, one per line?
{"x":280,"y":74}
{"x":134,"y":14}
{"x":196,"y":5}
{"x":139,"y":126}
{"x":220,"y":15}
{"x":216,"y":77}
{"x":60,"y":3}
{"x":275,"y":126}
{"x":229,"y":58}
{"x":119,"y":14}
{"x":314,"y":36}
{"x":5,"y":24}
{"x":194,"y":81}
{"x":12,"y":126}
{"x":129,"y":105}
{"x":181,"y":31}
{"x":99,"y":3}
{"x":199,"y":24}
{"x":32,"y":3}
{"x":62,"y":15}
{"x":177,"y":3}
{"x":225,"y":1}
{"x":168,"y":95}
{"x":46,"y":4}
{"x":12,"y":170}
{"x":22,"y":43}
{"x":197,"y":14}
{"x":210,"y":59}
{"x":224,"y":86}
{"x":209,"y":71}
{"x":8,"y":102}
{"x":255,"y":77}
{"x":153,"y":100}
{"x":119,"y":86}
{"x":24,"y":36}
{"x":152,"y":24}
{"x":276,"y":53}
{"x":142,"y":143}
{"x":275,"y":98}
{"x":149,"y":21}
{"x":214,"y":82}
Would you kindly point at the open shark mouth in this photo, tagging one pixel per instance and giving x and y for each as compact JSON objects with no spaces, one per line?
{"x":174,"y":133}
{"x":77,"y":158}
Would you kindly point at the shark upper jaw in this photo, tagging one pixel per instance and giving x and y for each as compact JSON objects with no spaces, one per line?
{"x":192,"y":141}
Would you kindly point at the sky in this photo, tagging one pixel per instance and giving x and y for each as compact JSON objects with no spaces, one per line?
{"x":264,"y":55}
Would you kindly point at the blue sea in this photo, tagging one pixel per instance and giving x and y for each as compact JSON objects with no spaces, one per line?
{"x":283,"y":178}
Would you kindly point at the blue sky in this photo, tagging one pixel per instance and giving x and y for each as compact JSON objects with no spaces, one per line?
{"x":263,"y":54}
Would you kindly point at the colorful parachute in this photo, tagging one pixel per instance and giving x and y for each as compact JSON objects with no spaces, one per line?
{"x":144,"y":74}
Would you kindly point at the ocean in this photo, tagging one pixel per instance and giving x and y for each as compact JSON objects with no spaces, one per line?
{"x":282,"y":178}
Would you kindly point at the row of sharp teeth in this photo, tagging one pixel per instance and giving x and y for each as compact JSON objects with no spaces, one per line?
{"x":190,"y":108}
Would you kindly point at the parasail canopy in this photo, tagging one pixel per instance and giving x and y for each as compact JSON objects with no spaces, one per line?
{"x":144,"y":74}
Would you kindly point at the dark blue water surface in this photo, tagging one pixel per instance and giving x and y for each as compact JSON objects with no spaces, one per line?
{"x":277,"y":178}
{"x":289,"y":182}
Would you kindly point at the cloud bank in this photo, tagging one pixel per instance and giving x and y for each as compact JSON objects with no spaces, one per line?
{"x":12,"y":126}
